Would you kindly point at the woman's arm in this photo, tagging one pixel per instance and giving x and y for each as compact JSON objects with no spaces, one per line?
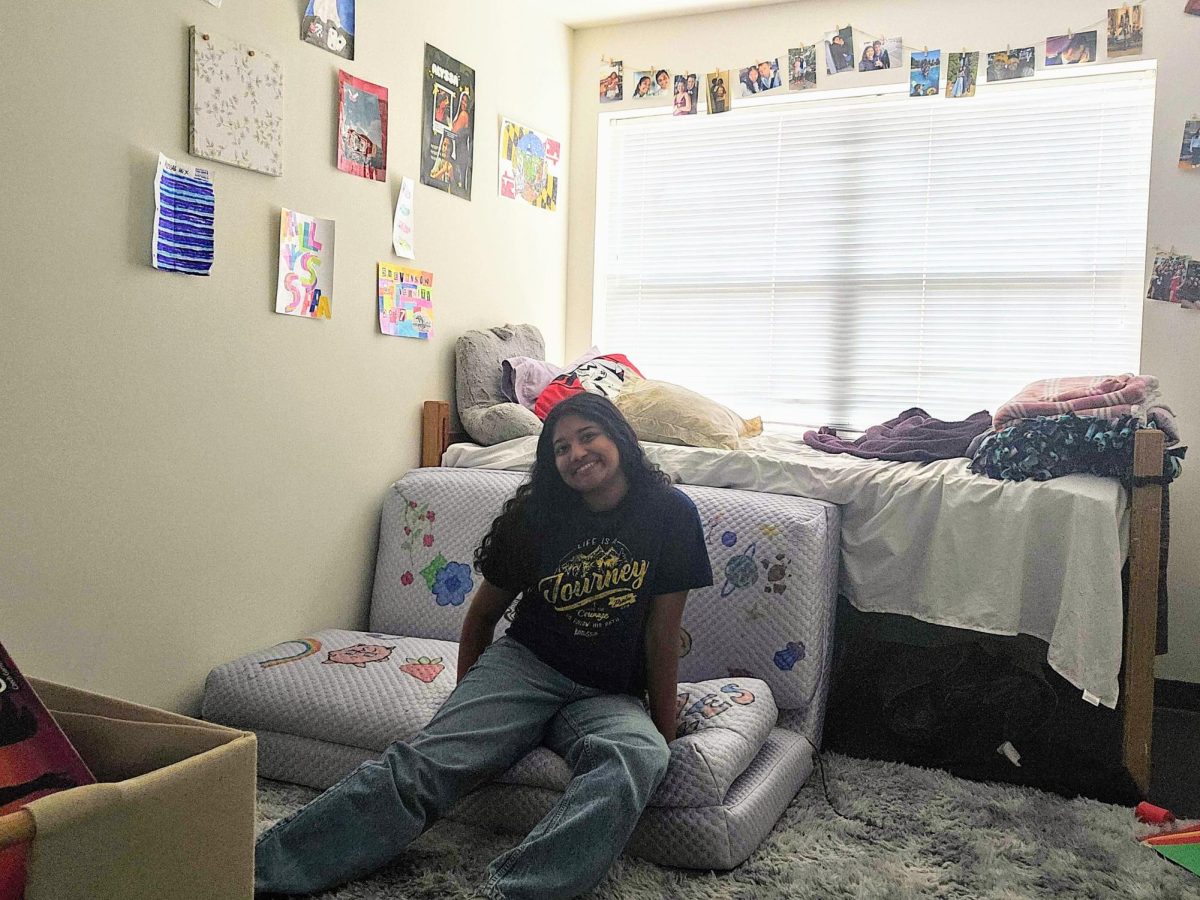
{"x":662,"y":659}
{"x":487,"y":606}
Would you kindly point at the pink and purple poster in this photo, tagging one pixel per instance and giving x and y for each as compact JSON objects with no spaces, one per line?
{"x":305,"y":286}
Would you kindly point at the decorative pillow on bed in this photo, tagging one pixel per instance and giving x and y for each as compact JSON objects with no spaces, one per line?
{"x":669,"y":414}
{"x":606,"y":375}
{"x":485,"y":413}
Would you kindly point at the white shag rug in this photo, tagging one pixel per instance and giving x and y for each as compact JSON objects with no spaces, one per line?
{"x":913,"y":833}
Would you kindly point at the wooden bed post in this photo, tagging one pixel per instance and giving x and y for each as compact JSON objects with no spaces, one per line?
{"x":435,"y":431}
{"x":1137,"y":687}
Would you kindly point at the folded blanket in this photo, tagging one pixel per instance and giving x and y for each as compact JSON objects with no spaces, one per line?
{"x":913,"y":436}
{"x":1105,"y":397}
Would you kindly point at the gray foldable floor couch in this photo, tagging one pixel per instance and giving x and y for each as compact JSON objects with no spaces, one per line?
{"x":754,"y":661}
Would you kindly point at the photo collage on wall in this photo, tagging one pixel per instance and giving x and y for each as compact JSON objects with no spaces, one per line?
{"x":448,"y":123}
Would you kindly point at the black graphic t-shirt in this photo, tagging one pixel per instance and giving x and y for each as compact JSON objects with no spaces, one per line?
{"x":586,"y":582}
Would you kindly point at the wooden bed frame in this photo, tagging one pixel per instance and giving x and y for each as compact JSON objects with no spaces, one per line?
{"x":1136,"y":705}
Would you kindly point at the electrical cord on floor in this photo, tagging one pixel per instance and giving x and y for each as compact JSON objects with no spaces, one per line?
{"x":825,"y":786}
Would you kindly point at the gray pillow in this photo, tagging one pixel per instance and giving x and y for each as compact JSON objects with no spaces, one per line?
{"x":486,"y":415}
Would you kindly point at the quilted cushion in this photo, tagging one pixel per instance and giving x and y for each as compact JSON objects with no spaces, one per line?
{"x":362,"y":689}
{"x":669,"y":414}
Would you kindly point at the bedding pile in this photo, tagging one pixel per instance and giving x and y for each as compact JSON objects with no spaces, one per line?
{"x":936,"y":542}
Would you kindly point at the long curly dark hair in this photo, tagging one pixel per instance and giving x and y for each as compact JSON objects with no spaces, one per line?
{"x":545,"y":497}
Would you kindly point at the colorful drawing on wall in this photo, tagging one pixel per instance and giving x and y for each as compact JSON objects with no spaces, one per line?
{"x":330,"y":25}
{"x":1189,"y":151}
{"x":1069,"y":49}
{"x":529,"y":165}
{"x":925,"y":73}
{"x":447,"y":138}
{"x":403,"y":224}
{"x":612,"y":81}
{"x":685,"y":95}
{"x":1167,"y":276}
{"x":802,"y":67}
{"x":362,"y":127}
{"x":962,"y":73}
{"x":1125,"y":31}
{"x":184,"y":213}
{"x":881,"y":53}
{"x":405,"y":302}
{"x":1005,"y":65}
{"x":305,"y":284}
{"x":236,"y":104}
{"x":839,"y":51}
{"x":717,"y":84}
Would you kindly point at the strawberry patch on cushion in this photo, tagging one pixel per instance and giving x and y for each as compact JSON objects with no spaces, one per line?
{"x":605,"y":375}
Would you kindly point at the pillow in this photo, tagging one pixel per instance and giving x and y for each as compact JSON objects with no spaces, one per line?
{"x":669,"y":414}
{"x":523,"y":379}
{"x":605,"y":375}
{"x":485,"y":414}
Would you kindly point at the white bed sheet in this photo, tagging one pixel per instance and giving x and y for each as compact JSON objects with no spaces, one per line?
{"x":938,"y":543}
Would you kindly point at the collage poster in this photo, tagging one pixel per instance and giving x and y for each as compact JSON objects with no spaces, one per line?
{"x":529,"y":165}
{"x":448,"y":117}
{"x":405,"y":302}
{"x":330,"y":25}
{"x":362,"y":127}
{"x":305,"y":285}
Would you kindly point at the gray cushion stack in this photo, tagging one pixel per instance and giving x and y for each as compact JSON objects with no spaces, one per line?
{"x":754,"y":655}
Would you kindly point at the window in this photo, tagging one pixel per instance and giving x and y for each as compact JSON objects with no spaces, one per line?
{"x":836,"y":259}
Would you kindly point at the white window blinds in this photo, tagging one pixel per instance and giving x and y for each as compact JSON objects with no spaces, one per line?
{"x":837,"y":260}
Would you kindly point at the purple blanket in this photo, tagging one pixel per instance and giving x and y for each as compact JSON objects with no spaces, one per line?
{"x":913,"y":436}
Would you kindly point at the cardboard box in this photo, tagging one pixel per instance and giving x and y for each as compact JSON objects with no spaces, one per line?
{"x":172,"y":816}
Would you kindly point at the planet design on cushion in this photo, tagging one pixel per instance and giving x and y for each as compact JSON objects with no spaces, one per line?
{"x":728,"y":538}
{"x":740,"y":571}
{"x":792,"y":653}
{"x":685,"y":642}
{"x":777,"y":574}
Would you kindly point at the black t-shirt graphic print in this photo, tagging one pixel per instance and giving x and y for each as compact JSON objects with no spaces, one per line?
{"x":587,"y":582}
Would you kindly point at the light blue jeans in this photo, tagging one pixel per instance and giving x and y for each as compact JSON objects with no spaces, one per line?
{"x":507,"y":704}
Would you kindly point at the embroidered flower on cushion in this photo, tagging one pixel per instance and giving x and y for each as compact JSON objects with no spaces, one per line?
{"x":452,"y":584}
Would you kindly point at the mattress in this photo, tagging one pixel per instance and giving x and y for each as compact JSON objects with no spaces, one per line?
{"x":936,"y":542}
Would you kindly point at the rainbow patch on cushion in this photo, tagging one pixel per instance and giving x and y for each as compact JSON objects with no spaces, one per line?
{"x":309,"y":647}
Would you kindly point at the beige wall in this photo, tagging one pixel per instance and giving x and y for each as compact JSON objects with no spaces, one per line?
{"x":1171,"y":337}
{"x":187,"y":475}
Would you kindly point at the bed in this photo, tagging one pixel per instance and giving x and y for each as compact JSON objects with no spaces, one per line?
{"x":911,"y":539}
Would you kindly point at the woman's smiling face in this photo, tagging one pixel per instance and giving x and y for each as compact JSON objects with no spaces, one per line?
{"x":588,"y":461}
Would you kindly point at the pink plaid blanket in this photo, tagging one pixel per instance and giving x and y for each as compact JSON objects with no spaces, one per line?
{"x":1106,"y":396}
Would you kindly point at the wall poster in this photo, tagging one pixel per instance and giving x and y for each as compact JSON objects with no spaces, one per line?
{"x":448,"y":123}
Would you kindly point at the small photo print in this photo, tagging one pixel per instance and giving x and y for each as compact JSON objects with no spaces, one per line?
{"x":1189,"y":291}
{"x":802,"y":67}
{"x":687,"y":93}
{"x":1125,"y":31}
{"x":717,"y":85}
{"x":1192,"y":7}
{"x":839,"y":51}
{"x":962,"y":72}
{"x":1005,"y":65}
{"x":760,"y":77}
{"x":925,"y":72}
{"x":1069,"y":49}
{"x":643,"y":84}
{"x":661,"y":82}
{"x":611,"y":81}
{"x":1167,"y":277}
{"x":882,"y":53}
{"x":1189,"y":152}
